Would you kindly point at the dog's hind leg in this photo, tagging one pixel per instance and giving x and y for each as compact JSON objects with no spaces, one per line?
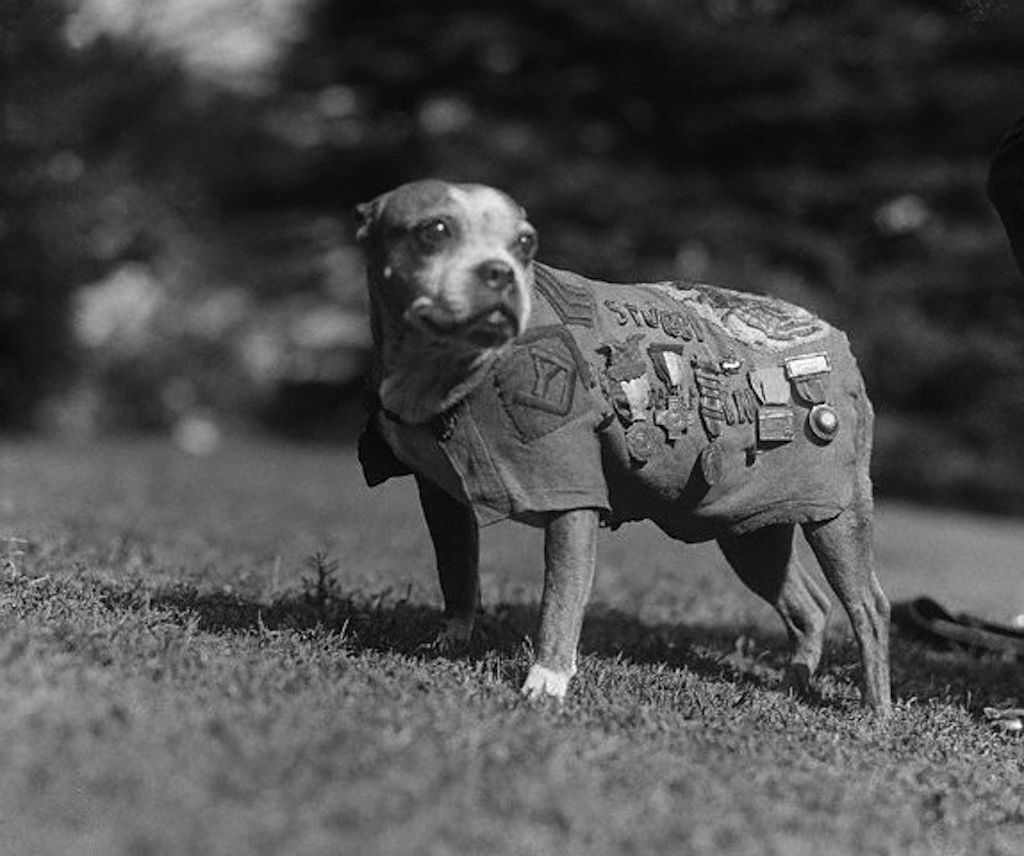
{"x":456,"y":538}
{"x":843,"y":546}
{"x":767,"y":563}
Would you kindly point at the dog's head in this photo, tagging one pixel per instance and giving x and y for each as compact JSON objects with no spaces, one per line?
{"x":450,"y":262}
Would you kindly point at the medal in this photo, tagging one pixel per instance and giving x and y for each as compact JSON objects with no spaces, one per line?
{"x":677,"y":415}
{"x":712,"y":464}
{"x":638,"y":394}
{"x":642,"y":441}
{"x":625,"y":362}
{"x":712,"y":413}
{"x":807,"y":372}
{"x":823,"y":422}
{"x":627,"y":370}
{"x":671,"y":367}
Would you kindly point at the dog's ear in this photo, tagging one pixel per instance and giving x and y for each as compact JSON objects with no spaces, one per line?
{"x":366,"y":217}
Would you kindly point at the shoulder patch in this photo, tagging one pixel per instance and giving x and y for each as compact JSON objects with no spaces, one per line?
{"x":753,"y":319}
{"x":573,"y":303}
{"x":541,"y":383}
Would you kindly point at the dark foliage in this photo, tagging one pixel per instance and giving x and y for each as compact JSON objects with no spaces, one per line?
{"x":831,"y":154}
{"x":33,"y":297}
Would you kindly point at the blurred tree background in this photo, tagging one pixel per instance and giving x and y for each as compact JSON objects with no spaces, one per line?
{"x":178,"y":177}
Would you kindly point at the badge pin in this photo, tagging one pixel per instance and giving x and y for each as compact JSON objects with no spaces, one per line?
{"x":775,"y":425}
{"x":807,"y":365}
{"x":642,"y":441}
{"x":731,"y":364}
{"x":823,"y":422}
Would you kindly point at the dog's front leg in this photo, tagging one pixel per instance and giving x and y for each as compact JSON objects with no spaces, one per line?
{"x":453,"y":529}
{"x":570,"y":548}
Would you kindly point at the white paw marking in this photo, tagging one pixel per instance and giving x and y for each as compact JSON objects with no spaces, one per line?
{"x":542,"y":681}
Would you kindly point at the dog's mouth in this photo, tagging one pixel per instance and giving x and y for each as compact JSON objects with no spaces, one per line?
{"x":488,"y":328}
{"x":492,"y":328}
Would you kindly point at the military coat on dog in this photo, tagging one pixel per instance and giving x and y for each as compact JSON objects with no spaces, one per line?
{"x":709,"y":411}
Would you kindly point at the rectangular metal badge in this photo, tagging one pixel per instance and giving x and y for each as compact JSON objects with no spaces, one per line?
{"x":775,"y":425}
{"x":807,"y":365}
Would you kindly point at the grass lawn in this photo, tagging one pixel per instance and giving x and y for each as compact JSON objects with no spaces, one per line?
{"x":178,"y":677}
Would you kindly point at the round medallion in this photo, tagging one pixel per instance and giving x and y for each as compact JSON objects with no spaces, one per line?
{"x":823,"y":422}
{"x":642,"y":440}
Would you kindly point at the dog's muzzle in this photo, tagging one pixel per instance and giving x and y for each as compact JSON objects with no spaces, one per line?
{"x":488,"y":327}
{"x":492,"y":318}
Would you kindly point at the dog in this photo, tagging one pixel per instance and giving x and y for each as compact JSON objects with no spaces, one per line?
{"x":513,"y":390}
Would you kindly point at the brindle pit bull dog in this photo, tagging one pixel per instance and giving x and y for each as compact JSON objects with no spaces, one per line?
{"x":513,"y":390}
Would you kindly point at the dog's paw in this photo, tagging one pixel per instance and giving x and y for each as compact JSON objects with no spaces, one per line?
{"x":797,"y":680}
{"x":542,"y":682}
{"x":454,"y":636}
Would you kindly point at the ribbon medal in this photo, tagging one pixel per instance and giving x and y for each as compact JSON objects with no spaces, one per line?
{"x":807,"y":373}
{"x":626,"y":368}
{"x":712,"y":409}
{"x":677,"y":415}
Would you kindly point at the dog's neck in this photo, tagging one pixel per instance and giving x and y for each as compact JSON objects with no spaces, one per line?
{"x":418,"y":378}
{"x":421,"y":382}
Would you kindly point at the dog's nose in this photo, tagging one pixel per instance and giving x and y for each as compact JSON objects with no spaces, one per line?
{"x":497,"y":276}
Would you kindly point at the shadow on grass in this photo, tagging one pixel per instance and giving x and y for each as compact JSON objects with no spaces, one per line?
{"x":389,"y":623}
{"x":734,"y":653}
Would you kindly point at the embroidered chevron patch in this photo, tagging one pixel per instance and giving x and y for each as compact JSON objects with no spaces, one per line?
{"x":574,"y":304}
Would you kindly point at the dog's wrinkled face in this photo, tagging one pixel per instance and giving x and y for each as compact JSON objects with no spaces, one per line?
{"x":451,"y":261}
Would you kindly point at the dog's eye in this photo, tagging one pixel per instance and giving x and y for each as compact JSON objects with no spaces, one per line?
{"x":526,"y":245}
{"x":433,"y":234}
